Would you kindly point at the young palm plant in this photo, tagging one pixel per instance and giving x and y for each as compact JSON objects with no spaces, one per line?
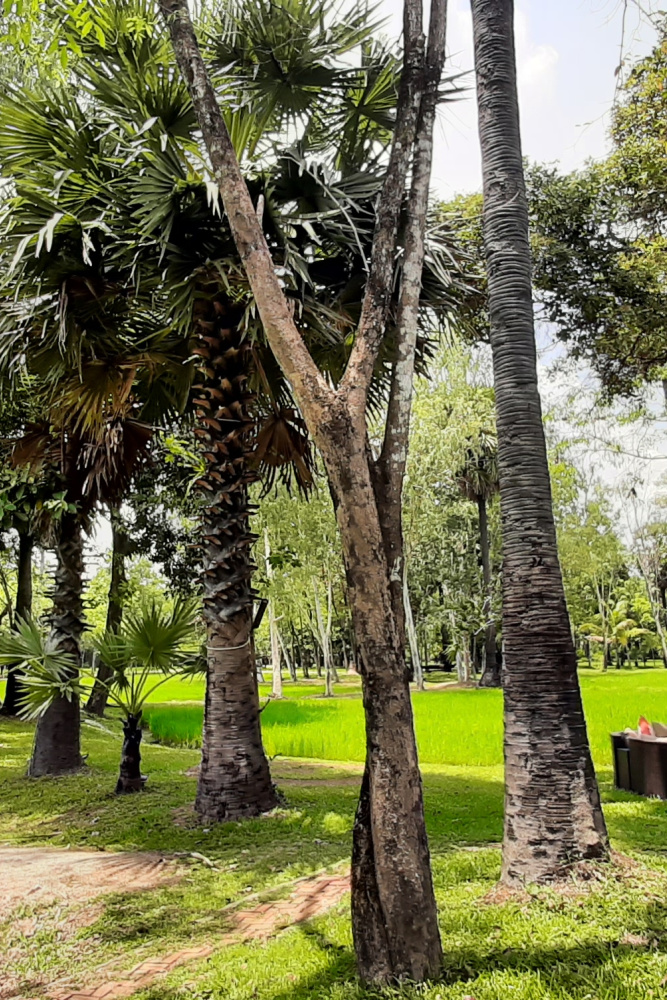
{"x":153,"y":645}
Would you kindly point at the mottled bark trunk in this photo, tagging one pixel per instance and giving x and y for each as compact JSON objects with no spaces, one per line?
{"x":491,"y":674}
{"x":390,"y":468}
{"x":97,"y":700}
{"x":553,"y":815}
{"x":57,"y":746}
{"x":394,"y":918}
{"x":234,"y":778}
{"x":23,"y":608}
{"x":130,"y":778}
{"x":394,"y":913}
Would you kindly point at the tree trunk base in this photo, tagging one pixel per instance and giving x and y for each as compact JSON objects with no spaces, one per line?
{"x":234,"y":778}
{"x":491,"y":678}
{"x":57,"y":746}
{"x":130,"y":778}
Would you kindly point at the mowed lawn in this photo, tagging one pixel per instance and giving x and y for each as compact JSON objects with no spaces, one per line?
{"x":603,"y":938}
{"x":454,"y":726}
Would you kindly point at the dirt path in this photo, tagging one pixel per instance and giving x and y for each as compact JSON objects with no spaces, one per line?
{"x":309,"y":898}
{"x":38,"y":875}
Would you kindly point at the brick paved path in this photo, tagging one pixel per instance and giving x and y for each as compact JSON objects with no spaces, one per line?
{"x":309,"y":898}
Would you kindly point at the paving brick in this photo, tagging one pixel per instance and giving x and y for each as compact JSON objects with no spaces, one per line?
{"x":309,"y":898}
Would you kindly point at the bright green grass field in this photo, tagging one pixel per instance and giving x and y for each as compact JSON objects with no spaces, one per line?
{"x":456,"y":726}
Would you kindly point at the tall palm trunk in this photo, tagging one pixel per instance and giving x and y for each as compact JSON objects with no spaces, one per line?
{"x":57,"y":746}
{"x":491,"y":675}
{"x":552,"y":806}
{"x":23,"y":609}
{"x":97,"y":701}
{"x":234,"y":779}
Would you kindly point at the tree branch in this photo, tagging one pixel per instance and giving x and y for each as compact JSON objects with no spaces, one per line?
{"x":377,"y":296}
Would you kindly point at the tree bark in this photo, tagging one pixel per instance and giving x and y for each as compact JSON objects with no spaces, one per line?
{"x":97,"y":700}
{"x":394,"y":918}
{"x":390,"y":466}
{"x":553,"y":815}
{"x":57,"y":746}
{"x":491,"y":675}
{"x":234,"y":777}
{"x":23,"y":609}
{"x":130,"y":778}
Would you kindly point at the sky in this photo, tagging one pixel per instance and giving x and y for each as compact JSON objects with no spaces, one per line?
{"x":567,"y":54}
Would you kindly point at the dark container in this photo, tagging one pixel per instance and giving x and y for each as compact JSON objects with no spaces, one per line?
{"x":622,"y":775}
{"x":648,"y":766}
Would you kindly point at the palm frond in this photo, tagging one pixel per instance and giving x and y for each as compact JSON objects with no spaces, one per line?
{"x":46,"y":671}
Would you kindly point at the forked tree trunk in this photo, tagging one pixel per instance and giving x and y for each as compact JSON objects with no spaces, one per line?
{"x":393,"y":904}
{"x":57,"y":746}
{"x":97,"y":700}
{"x":234,"y":778}
{"x":394,"y":917}
{"x":553,"y":815}
{"x":13,"y":690}
{"x":491,"y":674}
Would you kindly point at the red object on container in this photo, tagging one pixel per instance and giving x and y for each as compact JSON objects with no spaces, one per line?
{"x":644,"y":726}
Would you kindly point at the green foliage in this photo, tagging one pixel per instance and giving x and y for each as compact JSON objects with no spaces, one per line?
{"x":453,"y":416}
{"x":152,"y":641}
{"x":47,"y":672}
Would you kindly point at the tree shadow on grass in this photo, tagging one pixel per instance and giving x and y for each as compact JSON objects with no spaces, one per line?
{"x":610,"y":966}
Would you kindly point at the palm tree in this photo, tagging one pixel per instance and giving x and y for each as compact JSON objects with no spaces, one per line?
{"x":553,"y":815}
{"x":69,"y":315}
{"x":478,"y":482}
{"x":313,"y":192}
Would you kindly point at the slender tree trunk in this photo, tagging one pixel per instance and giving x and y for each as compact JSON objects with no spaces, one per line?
{"x":491,"y":674}
{"x":234,"y":777}
{"x":553,"y":815}
{"x":57,"y":746}
{"x":97,"y":700}
{"x":130,"y":778}
{"x":325,"y":641}
{"x":23,"y":610}
{"x":412,"y":633}
{"x":289,"y":660}
{"x":276,"y":662}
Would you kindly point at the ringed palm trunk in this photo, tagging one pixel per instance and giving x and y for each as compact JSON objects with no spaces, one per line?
{"x":553,"y":815}
{"x":234,"y":779}
{"x":57,"y":746}
{"x":97,"y":701}
{"x":23,"y":609}
{"x":491,"y":675}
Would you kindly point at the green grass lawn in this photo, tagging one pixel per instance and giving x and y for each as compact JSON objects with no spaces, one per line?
{"x":605,"y":939}
{"x":459,"y":726}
